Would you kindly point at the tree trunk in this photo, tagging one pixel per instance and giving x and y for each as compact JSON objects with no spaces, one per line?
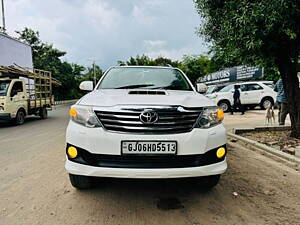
{"x":288,"y":72}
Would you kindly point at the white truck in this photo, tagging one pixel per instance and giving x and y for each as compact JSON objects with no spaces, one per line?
{"x":144,"y":122}
{"x":24,"y":93}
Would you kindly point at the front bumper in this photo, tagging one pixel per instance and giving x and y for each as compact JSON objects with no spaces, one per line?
{"x":80,"y":169}
{"x":100,"y":142}
{"x":5,"y":116}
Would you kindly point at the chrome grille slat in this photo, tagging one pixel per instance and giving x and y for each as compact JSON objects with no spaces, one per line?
{"x":162,"y":128}
{"x":128,"y":122}
{"x":126,"y":119}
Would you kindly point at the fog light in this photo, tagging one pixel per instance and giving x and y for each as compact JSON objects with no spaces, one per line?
{"x":221,"y":152}
{"x":72,"y":152}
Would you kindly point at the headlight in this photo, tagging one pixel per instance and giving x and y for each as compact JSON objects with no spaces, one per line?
{"x":84,"y":115}
{"x":211,"y":116}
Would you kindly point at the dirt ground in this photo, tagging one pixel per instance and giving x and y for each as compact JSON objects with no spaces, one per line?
{"x":280,"y":140}
{"x":34,"y":188}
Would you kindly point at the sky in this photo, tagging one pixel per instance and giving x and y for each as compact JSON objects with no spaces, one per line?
{"x":110,"y":30}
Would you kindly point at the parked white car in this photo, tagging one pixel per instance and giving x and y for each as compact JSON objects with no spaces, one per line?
{"x":253,"y":93}
{"x":145,"y":122}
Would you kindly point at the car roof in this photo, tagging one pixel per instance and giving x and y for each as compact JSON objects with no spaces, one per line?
{"x":249,"y":82}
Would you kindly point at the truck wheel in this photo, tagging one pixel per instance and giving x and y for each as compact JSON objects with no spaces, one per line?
{"x":208,"y":182}
{"x":20,"y":117}
{"x":43,"y":113}
{"x":80,"y":182}
{"x":224,"y":105}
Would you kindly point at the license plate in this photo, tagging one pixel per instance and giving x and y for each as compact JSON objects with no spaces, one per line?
{"x":149,"y":147}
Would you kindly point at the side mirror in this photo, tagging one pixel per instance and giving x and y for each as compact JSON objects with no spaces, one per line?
{"x":13,"y":93}
{"x":86,"y":86}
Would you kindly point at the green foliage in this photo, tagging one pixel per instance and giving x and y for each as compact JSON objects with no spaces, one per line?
{"x":257,"y":32}
{"x":251,"y":31}
{"x":147,"y":61}
{"x":89,"y":73}
{"x":196,"y":66}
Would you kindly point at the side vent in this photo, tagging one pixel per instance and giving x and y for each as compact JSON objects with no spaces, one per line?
{"x":146,"y":92}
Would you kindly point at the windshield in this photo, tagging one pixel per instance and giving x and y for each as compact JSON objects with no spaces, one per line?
{"x":145,"y":78}
{"x":271,"y":85}
{"x":210,"y":89}
{"x":3,"y":87}
{"x":227,"y":88}
{"x":213,"y":89}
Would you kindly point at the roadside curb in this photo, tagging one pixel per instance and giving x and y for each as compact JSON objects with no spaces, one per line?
{"x":266,"y":148}
{"x":263,"y":128}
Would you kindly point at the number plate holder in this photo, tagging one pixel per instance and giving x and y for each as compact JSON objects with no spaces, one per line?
{"x":148,"y":147}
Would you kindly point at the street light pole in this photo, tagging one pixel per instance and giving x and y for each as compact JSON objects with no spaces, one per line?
{"x":3,"y":16}
{"x":94,"y":72}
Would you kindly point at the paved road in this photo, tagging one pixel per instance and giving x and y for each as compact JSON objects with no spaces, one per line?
{"x":34,"y":187}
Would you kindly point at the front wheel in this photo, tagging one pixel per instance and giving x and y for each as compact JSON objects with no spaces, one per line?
{"x":224,"y":105}
{"x":20,"y":117}
{"x":208,"y":182}
{"x":81,"y":182}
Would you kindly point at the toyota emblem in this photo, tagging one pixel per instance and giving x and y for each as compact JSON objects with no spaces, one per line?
{"x":148,"y":117}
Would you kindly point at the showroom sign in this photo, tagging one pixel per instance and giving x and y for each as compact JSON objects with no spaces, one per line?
{"x":232,"y":74}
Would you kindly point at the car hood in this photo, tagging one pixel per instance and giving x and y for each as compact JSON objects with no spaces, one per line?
{"x":112,"y":97}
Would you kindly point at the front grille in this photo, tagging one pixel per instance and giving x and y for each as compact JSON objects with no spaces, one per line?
{"x":175,"y":119}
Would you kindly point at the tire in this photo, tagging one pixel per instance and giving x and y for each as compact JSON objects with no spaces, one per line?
{"x":265,"y":102}
{"x":224,"y":105}
{"x":20,"y":117}
{"x":207,"y":183}
{"x":43,"y":113}
{"x":81,"y":182}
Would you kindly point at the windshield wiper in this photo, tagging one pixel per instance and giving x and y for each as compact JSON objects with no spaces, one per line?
{"x":135,"y":86}
{"x":170,"y":87}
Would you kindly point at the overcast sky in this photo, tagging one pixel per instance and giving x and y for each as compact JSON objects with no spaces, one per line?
{"x":110,"y":30}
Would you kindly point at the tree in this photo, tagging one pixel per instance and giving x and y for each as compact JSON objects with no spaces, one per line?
{"x":258,"y":32}
{"x":46,"y":57}
{"x":89,"y":74}
{"x":196,"y":66}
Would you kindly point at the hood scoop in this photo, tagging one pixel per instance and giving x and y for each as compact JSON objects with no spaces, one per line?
{"x":146,"y":92}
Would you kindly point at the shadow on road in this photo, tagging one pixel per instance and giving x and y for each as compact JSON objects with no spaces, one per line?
{"x":165,"y":194}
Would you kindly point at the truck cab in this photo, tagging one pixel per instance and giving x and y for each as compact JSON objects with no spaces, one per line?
{"x":24,"y":93}
{"x":13,"y":98}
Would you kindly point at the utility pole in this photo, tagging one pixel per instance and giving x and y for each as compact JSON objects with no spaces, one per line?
{"x":94,"y":72}
{"x":3,"y":17}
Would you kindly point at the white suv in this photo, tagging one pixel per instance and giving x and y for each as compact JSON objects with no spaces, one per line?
{"x":145,"y":122}
{"x":253,"y":93}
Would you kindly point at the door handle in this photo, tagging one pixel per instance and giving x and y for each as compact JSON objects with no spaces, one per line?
{"x":23,"y":97}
